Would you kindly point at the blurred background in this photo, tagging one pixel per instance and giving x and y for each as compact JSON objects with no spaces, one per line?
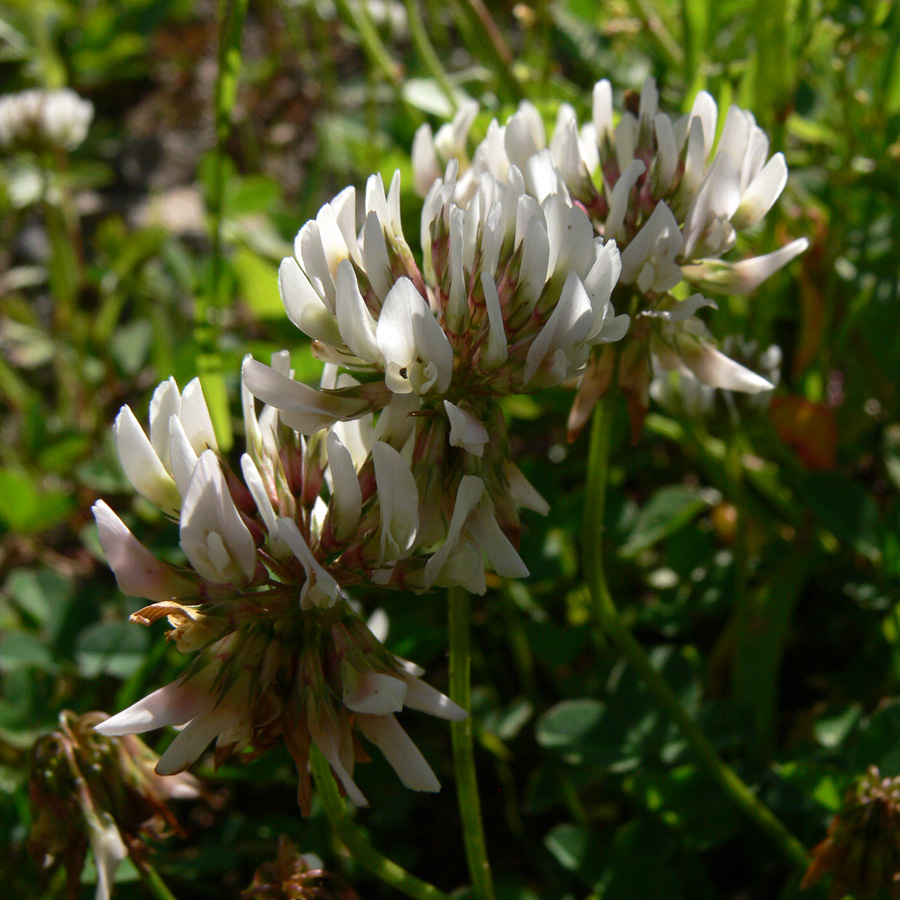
{"x":755,"y":547}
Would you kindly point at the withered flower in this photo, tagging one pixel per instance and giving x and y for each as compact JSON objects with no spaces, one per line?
{"x":862,"y":849}
{"x":295,"y":876}
{"x":88,"y":790}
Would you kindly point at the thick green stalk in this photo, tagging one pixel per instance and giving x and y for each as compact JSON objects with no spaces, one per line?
{"x":154,"y":883}
{"x":463,"y":744}
{"x":357,"y":843}
{"x":607,"y":616}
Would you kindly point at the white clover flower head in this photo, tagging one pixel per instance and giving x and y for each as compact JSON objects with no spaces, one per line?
{"x":318,"y":678}
{"x":671,"y":196}
{"x":37,"y":118}
{"x":512,"y":294}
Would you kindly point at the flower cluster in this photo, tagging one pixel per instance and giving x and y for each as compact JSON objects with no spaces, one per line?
{"x":280,"y":653}
{"x":87,"y":790}
{"x":511,"y":296}
{"x":668,"y":193}
{"x":862,"y":849}
{"x":296,"y":876}
{"x":397,"y":470}
{"x":37,"y":119}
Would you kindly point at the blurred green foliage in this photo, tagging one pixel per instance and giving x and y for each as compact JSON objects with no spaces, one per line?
{"x":759,"y":562}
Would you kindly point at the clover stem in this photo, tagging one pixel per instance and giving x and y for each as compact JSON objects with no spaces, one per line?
{"x":608,"y":618}
{"x":463,"y":744}
{"x":357,"y":843}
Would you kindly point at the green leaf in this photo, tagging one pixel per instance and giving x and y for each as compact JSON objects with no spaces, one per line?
{"x":879,"y":742}
{"x":42,"y":594}
{"x":822,"y":782}
{"x":619,"y":733}
{"x":845,"y":508}
{"x":130,"y":345}
{"x":22,"y":650}
{"x":568,"y":724}
{"x":26,"y":509}
{"x":577,"y":849}
{"x":668,"y":511}
{"x":111,"y":648}
{"x":688,"y":799}
{"x":257,"y":280}
{"x":638,"y":879}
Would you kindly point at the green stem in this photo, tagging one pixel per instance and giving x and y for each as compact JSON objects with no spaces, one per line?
{"x":374,"y":48}
{"x":357,"y":843}
{"x":154,"y":883}
{"x":463,"y":744}
{"x":660,"y":30}
{"x":608,"y":617}
{"x":427,"y":52}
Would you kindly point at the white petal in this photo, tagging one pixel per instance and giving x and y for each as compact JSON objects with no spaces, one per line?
{"x":422,"y":696}
{"x":166,"y":403}
{"x":257,"y":488}
{"x":535,"y":260}
{"x":399,"y":500}
{"x":183,"y":456}
{"x":305,"y":308}
{"x":618,"y":201}
{"x":345,"y":484}
{"x":303,"y":408}
{"x":744,"y":276}
{"x":468,"y":495}
{"x":324,"y":730}
{"x":310,"y":254}
{"x":458,"y":300}
{"x":320,"y":589}
{"x":667,"y":154}
{"x":208,"y":517}
{"x":138,"y":572}
{"x":523,"y":491}
{"x":403,"y":755}
{"x":375,"y":255}
{"x":658,"y":242}
{"x":626,"y":136}
{"x":107,"y":846}
{"x":425,"y":165}
{"x":174,"y":704}
{"x":195,"y":417}
{"x":373,"y":692}
{"x":465,"y":430}
{"x":213,"y":720}
{"x":602,"y":111}
{"x":496,"y":352}
{"x":356,"y":324}
{"x":141,"y":464}
{"x":717,"y":198}
{"x":569,"y":324}
{"x":524,"y":134}
{"x":710,"y":366}
{"x":761,"y":193}
{"x":417,"y":355}
{"x":500,"y":552}
{"x":706,"y":112}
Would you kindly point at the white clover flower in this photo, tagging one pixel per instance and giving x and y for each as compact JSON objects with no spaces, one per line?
{"x":512,"y":294}
{"x":671,"y":197}
{"x":160,"y":468}
{"x":38,"y":118}
{"x":331,"y":678}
